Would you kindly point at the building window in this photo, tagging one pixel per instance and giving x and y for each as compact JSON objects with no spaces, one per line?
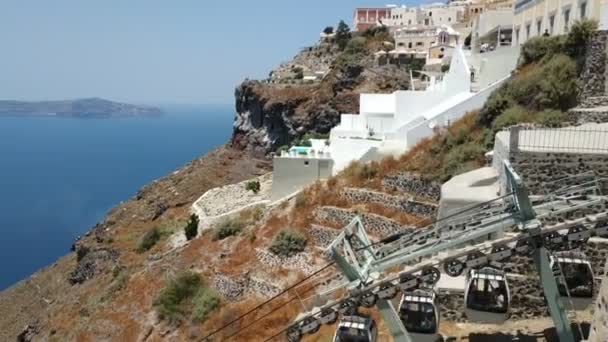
{"x":419,"y":44}
{"x":450,"y":19}
{"x":409,"y":22}
{"x":306,"y":163}
{"x":566,"y":19}
{"x":539,"y":25}
{"x":430,"y":14}
{"x":551,"y":23}
{"x":583,"y":9}
{"x":409,"y":45}
{"x":528,"y":31}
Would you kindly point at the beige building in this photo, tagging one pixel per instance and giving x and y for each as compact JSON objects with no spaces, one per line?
{"x":431,"y":43}
{"x":532,"y":18}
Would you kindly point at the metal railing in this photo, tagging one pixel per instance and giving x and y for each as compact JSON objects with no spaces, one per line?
{"x":561,"y":140}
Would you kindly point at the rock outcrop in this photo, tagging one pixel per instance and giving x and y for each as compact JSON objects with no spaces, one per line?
{"x":270,"y":113}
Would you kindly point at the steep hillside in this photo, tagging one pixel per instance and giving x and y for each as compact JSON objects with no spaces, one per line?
{"x":135,"y":277}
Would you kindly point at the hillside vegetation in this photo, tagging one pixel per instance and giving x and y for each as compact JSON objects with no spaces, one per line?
{"x":541,"y":91}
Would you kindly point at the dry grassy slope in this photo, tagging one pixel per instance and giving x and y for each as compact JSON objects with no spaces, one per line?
{"x":96,"y":310}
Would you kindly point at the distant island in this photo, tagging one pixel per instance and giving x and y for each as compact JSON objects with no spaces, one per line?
{"x":84,"y":108}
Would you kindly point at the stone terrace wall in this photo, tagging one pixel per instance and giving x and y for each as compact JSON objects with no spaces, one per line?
{"x":593,"y":77}
{"x":236,"y":287}
{"x":408,"y":205}
{"x":413,"y":184}
{"x":376,"y":225}
{"x":537,"y":168}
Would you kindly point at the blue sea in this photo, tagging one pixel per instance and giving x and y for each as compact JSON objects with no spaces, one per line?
{"x":59,"y":176}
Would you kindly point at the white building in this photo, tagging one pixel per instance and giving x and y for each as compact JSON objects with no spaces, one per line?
{"x":387,"y":124}
{"x":532,"y":18}
{"x":429,"y":15}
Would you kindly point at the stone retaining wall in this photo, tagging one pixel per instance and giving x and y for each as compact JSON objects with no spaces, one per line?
{"x":376,"y":225}
{"x":322,"y":236}
{"x":593,"y":76}
{"x":413,"y":184}
{"x":408,"y":205}
{"x":537,"y":168}
{"x":588,"y":115}
{"x":302,"y":261}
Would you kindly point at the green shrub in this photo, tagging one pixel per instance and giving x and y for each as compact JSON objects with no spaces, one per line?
{"x":204,"y":302}
{"x":445,"y":68}
{"x":356,"y":45}
{"x":328,"y":30}
{"x":253,"y":185}
{"x":557,"y":87}
{"x":288,"y":243}
{"x":460,"y":155}
{"x":536,"y":49}
{"x":191,"y":228}
{"x":171,"y":303}
{"x":510,"y":117}
{"x":227,"y":228}
{"x":148,"y":241}
{"x":551,"y":118}
{"x":282,"y":148}
{"x":579,"y":35}
{"x":496,"y":104}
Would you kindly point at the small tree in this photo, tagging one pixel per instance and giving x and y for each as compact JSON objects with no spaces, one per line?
{"x":191,"y":228}
{"x":328,"y":30}
{"x":342,"y":35}
{"x":253,"y":185}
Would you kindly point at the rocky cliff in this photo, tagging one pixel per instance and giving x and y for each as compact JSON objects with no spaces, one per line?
{"x":276,"y":111}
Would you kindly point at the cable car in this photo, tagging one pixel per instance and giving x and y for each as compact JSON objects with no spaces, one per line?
{"x":487,"y":296}
{"x":356,"y":329}
{"x":420,"y":316}
{"x":578,"y":276}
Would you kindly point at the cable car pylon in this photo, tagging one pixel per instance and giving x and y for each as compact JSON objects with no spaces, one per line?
{"x":473,"y":239}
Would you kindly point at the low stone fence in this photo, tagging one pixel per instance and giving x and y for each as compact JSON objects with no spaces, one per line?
{"x":413,"y":184}
{"x":406,"y":204}
{"x":302,"y":262}
{"x":235,"y":288}
{"x":376,"y":225}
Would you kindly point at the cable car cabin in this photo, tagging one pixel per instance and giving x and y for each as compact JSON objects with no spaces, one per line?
{"x":356,"y":329}
{"x":578,"y":277}
{"x":487,"y":296}
{"x":420,"y":316}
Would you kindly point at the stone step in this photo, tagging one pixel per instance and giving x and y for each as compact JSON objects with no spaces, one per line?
{"x":594,"y":101}
{"x":581,"y":115}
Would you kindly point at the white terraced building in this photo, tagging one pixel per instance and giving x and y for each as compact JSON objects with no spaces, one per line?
{"x":390,"y":124}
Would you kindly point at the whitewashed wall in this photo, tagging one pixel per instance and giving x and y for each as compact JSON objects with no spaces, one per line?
{"x":376,"y":103}
{"x":423,"y":130}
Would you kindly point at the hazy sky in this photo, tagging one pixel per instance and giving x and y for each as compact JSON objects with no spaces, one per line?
{"x":149,"y":51}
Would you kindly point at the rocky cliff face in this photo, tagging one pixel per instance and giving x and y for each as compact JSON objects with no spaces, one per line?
{"x":274,"y":113}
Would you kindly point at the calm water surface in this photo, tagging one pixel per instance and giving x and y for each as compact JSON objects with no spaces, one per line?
{"x":59,"y":176}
